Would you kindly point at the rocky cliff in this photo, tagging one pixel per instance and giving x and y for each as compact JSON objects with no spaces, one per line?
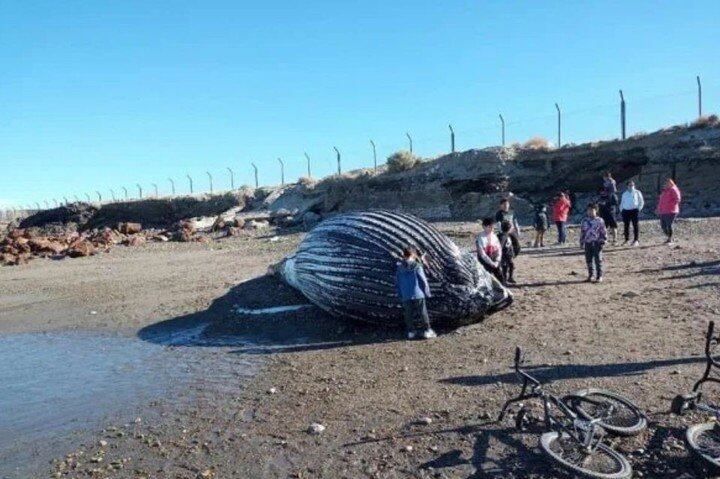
{"x":458,"y":186}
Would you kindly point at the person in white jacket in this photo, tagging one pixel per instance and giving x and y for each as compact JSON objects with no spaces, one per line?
{"x":489,"y":250}
{"x":631,"y":204}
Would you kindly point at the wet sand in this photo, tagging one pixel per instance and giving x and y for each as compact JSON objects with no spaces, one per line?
{"x":639,"y":333}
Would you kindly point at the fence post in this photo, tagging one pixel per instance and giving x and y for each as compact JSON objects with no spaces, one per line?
{"x":139,"y":189}
{"x":374,"y":154}
{"x":191,"y":183}
{"x":308,"y":164}
{"x":452,"y":139}
{"x":409,"y":140}
{"x":156,"y":190}
{"x":622,"y":114}
{"x":257,"y":184}
{"x":112,"y":194}
{"x":338,"y":160}
{"x":88,"y":198}
{"x":699,"y":96}
{"x":211,"y":185}
{"x":502,"y":129}
{"x":125,"y":190}
{"x":99,"y":196}
{"x":172,"y":185}
{"x":38,"y":206}
{"x":282,"y":172}
{"x":47,"y":205}
{"x":559,"y":143}
{"x":232,"y":178}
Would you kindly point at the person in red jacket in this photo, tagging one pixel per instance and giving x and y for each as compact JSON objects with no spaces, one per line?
{"x":561,"y":208}
{"x":668,"y":208}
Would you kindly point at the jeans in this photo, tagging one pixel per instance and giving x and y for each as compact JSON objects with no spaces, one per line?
{"x":507,"y":269}
{"x":666,"y":223}
{"x":593,"y":257}
{"x":562,"y":231}
{"x":631,"y":216}
{"x":415,"y":314}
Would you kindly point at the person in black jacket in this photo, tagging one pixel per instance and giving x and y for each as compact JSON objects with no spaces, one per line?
{"x":541,"y":224}
{"x":507,"y":263}
{"x":505,"y":214}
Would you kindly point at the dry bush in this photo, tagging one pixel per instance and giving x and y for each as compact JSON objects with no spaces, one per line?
{"x":537,"y":143}
{"x":307,"y":181}
{"x":706,"y":122}
{"x":402,"y":160}
{"x":637,"y":135}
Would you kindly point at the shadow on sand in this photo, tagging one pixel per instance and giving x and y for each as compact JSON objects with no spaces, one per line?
{"x":303,"y":329}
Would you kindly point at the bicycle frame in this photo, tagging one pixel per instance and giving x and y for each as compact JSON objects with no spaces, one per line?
{"x":710,"y":362}
{"x":585,"y":432}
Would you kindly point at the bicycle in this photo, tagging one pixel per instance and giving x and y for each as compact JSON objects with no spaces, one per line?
{"x":703,"y":439}
{"x":574,"y":439}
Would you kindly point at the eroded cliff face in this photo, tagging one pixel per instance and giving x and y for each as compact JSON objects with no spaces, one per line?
{"x":459,"y":186}
{"x":468,"y":185}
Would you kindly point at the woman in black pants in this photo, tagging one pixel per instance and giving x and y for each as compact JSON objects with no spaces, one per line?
{"x":631,"y":204}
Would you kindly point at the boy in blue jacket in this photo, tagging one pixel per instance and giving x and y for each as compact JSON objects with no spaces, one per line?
{"x":413,"y":289}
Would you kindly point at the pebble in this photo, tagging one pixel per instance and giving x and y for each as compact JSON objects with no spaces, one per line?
{"x":272,"y":391}
{"x":425,"y":420}
{"x":316,"y":428}
{"x":103,"y":443}
{"x":408,"y":448}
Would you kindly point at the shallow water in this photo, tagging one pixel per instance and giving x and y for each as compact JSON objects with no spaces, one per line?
{"x":54,"y":384}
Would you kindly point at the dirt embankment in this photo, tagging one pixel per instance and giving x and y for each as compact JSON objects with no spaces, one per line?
{"x":459,"y":186}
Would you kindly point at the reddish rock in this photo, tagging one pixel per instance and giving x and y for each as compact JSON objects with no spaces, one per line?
{"x":239,"y":222}
{"x":16,"y":233}
{"x":42,"y":245}
{"x":219,"y":224}
{"x":129,"y":228}
{"x":234,"y":231}
{"x":80,"y":247}
{"x":136,"y":241}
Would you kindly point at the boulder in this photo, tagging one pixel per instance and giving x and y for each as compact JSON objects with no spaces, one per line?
{"x":136,"y":241}
{"x":256,"y":224}
{"x":129,"y":228}
{"x":80,"y":247}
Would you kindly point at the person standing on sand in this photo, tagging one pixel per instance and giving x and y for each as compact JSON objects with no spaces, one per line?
{"x":489,"y":250}
{"x":607,"y":204}
{"x":561,"y":208}
{"x":505,"y":214}
{"x":413,"y":289}
{"x":668,"y":208}
{"x":610,"y":186}
{"x":593,"y":236}
{"x":631,"y":204}
{"x":540,"y":224}
{"x":507,"y":253}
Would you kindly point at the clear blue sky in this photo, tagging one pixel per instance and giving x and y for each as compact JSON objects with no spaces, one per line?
{"x":99,"y":95}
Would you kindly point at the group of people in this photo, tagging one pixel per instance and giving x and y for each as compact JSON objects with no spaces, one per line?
{"x":497,"y":251}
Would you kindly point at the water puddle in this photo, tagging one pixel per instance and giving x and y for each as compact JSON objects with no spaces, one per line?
{"x":54,"y":384}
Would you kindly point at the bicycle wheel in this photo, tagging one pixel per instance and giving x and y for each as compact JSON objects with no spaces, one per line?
{"x":602,"y":463}
{"x":704,"y":440}
{"x":626,"y":418}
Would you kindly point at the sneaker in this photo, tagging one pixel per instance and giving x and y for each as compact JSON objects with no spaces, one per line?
{"x":412,"y":335}
{"x":429,"y":334}
{"x":625,"y":242}
{"x":589,"y":279}
{"x":511,"y":281}
{"x":599,"y":279}
{"x":635,"y":243}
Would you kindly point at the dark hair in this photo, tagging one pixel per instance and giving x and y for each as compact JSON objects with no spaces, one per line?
{"x":504,"y":200}
{"x":408,"y":251}
{"x":488,"y":221}
{"x":505,"y":226}
{"x":592,"y":206}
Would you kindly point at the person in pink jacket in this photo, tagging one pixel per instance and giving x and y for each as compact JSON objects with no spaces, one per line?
{"x":668,"y":208}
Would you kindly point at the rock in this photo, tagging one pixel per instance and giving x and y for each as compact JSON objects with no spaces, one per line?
{"x":218,"y":225}
{"x":630,"y":294}
{"x":256,"y":224}
{"x":316,"y":428}
{"x":103,"y":443}
{"x":568,"y":352}
{"x":272,"y":391}
{"x":161,"y":238}
{"x":239,"y":222}
{"x":426,"y":420}
{"x":129,"y":228}
{"x":80,"y":247}
{"x":206,"y":474}
{"x":234,"y":231}
{"x":407,"y":448}
{"x":136,"y":241}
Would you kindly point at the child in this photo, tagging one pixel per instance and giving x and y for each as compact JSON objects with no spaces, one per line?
{"x":412,"y":288}
{"x":593,"y":236}
{"x":489,"y":251}
{"x":541,"y":225}
{"x":507,"y":254}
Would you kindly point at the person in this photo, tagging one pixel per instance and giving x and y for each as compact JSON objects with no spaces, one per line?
{"x":668,"y":208}
{"x":489,"y":250}
{"x":631,"y":204}
{"x":541,"y":225}
{"x":505,"y":214}
{"x":412,"y":288}
{"x":593,"y":236}
{"x":507,"y":254}
{"x":607,"y":204}
{"x":610,"y":186}
{"x":561,"y":208}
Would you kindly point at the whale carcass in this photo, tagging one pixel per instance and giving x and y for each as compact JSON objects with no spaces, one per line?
{"x":346,"y":266}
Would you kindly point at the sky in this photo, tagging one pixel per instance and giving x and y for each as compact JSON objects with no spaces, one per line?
{"x":97,"y":96}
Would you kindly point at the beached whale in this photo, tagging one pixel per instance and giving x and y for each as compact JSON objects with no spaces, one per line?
{"x":346,"y":266}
